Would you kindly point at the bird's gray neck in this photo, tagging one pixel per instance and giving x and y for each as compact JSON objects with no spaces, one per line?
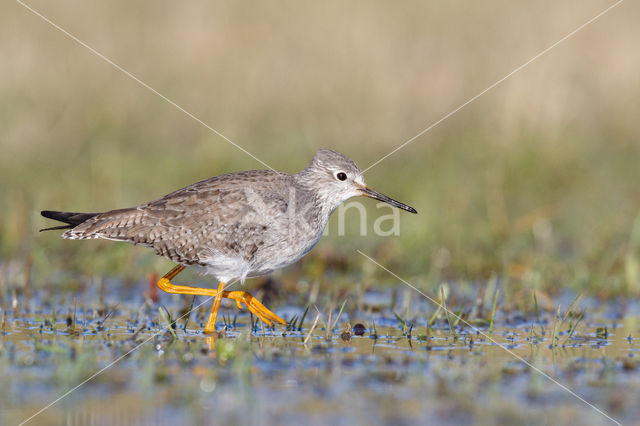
{"x":313,"y":205}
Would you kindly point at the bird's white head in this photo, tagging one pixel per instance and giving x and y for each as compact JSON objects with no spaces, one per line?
{"x":336,"y":178}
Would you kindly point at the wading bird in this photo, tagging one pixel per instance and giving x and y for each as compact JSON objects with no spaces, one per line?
{"x":233,"y":226}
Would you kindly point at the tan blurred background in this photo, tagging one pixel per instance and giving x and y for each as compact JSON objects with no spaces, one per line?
{"x":536,"y":181}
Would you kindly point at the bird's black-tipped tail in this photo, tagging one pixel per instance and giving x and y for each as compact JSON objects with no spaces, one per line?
{"x":70,"y":218}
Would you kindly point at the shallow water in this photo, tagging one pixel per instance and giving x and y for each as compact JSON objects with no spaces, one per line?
{"x":128,"y":369}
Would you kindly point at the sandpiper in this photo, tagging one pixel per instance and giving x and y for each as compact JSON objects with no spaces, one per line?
{"x":233,"y":226}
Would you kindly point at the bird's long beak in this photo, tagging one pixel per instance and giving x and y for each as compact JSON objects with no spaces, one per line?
{"x":368,"y":192}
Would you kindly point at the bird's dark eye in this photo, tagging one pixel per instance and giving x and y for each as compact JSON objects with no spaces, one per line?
{"x":342,"y":176}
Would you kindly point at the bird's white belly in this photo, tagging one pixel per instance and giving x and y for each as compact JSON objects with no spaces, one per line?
{"x":227,"y":268}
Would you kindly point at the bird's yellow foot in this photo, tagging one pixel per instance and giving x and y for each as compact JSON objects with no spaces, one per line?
{"x":254,"y":306}
{"x":210,"y":328}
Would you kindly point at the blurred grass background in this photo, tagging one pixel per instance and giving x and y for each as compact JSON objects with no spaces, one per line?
{"x":536,"y":182}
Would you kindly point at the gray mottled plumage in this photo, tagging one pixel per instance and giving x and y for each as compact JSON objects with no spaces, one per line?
{"x":236,"y":225}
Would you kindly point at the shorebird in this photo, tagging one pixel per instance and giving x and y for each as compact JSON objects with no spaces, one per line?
{"x":233,"y":226}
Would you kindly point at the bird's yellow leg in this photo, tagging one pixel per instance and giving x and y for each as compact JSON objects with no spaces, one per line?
{"x":240,"y":297}
{"x":211,"y":322}
{"x":165,"y":284}
{"x":254,"y":306}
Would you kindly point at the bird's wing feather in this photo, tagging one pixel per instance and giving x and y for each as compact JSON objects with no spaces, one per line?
{"x":224,"y":215}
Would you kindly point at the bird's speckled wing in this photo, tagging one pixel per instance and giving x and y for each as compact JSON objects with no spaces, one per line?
{"x":225,"y":215}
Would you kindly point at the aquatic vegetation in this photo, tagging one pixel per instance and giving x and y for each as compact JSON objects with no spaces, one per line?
{"x":158,"y":361}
